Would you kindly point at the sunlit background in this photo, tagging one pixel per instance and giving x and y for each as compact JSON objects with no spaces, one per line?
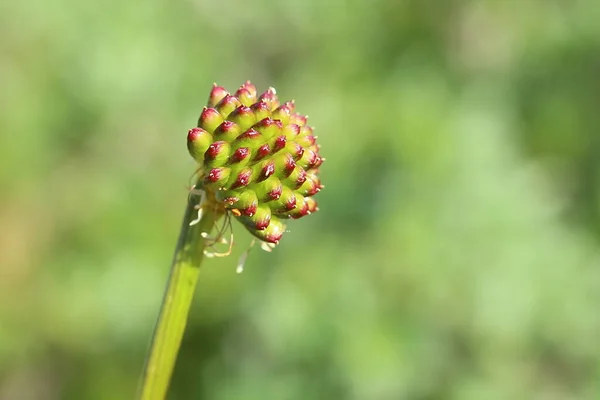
{"x":456,"y":254}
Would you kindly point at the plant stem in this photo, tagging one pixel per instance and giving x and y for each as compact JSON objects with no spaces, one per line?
{"x":176,"y":303}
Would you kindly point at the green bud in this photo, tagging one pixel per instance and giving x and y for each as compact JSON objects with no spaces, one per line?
{"x":261,"y":110}
{"x":240,"y":203}
{"x":270,"y":97}
{"x":243,"y":116}
{"x":285,"y":203}
{"x":198,"y":141}
{"x":217,"y":154}
{"x":269,"y":128}
{"x":210,"y":119}
{"x":251,"y":139}
{"x":283,"y":113}
{"x":268,"y":190}
{"x":216,"y":94}
{"x":217,"y":177}
{"x":260,"y":220}
{"x":227,"y":131}
{"x":272,"y":233}
{"x":227,"y":105}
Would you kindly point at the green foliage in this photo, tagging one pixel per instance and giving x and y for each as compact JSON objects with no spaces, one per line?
{"x":456,"y":252}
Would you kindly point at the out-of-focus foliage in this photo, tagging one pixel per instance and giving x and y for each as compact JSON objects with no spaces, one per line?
{"x":456,"y":253}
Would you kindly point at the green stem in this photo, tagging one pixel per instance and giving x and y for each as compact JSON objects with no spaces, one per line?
{"x":176,"y":303}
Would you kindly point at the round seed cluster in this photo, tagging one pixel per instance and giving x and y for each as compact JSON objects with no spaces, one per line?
{"x":259,"y":158}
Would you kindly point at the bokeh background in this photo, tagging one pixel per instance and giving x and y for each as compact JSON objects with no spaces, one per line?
{"x":457,"y":251}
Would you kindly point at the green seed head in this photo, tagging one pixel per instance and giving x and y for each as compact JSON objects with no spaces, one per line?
{"x":259,"y":159}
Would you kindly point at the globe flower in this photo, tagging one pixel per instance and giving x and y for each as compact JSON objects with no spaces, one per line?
{"x":258,"y":159}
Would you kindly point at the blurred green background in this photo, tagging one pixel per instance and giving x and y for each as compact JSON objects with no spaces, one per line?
{"x":457,"y":251}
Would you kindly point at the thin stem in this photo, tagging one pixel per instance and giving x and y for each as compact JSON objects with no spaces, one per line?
{"x":176,"y":303}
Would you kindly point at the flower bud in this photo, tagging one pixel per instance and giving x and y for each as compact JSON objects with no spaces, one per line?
{"x":285,"y":203}
{"x":291,"y":131}
{"x":240,"y":156}
{"x":261,"y":110}
{"x":198,"y":141}
{"x":240,"y":179}
{"x":301,"y":208}
{"x":251,"y":139}
{"x":217,"y":177}
{"x":243,"y":116}
{"x":227,"y":105}
{"x":272,"y":233}
{"x":284,"y":164}
{"x":311,"y":186}
{"x":260,"y":220}
{"x":227,"y":131}
{"x":270,"y":97}
{"x":216,"y":94}
{"x":312,"y":205}
{"x":217,"y":154}
{"x":308,"y":159}
{"x":210,"y":119}
{"x":244,"y":202}
{"x":283,"y":113}
{"x":269,"y":189}
{"x":298,"y":119}
{"x":269,"y":128}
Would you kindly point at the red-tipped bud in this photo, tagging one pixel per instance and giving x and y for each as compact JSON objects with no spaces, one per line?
{"x":244,"y":96}
{"x":311,"y":186}
{"x":283,"y":113}
{"x":277,"y":143}
{"x":296,"y":178}
{"x":301,"y":208}
{"x":312,"y":205}
{"x":270,"y":97}
{"x":261,"y":110}
{"x":269,"y":189}
{"x":265,"y":170}
{"x":217,"y":177}
{"x":298,"y":119}
{"x":245,"y":202}
{"x":250,"y":88}
{"x":243,"y":116}
{"x":216,"y":94}
{"x":272,"y":233}
{"x":285,"y":203}
{"x":241,"y":179}
{"x":227,"y":105}
{"x":251,"y":139}
{"x":306,"y":130}
{"x":239,"y":156}
{"x":263,"y":151}
{"x":260,"y":220}
{"x":316,"y":163}
{"x":269,"y":127}
{"x":295,"y":150}
{"x":210,"y":119}
{"x":198,"y":141}
{"x":284,"y":164}
{"x":306,"y":141}
{"x":308,"y":159}
{"x":217,"y":154}
{"x":227,"y":131}
{"x":291,"y":131}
